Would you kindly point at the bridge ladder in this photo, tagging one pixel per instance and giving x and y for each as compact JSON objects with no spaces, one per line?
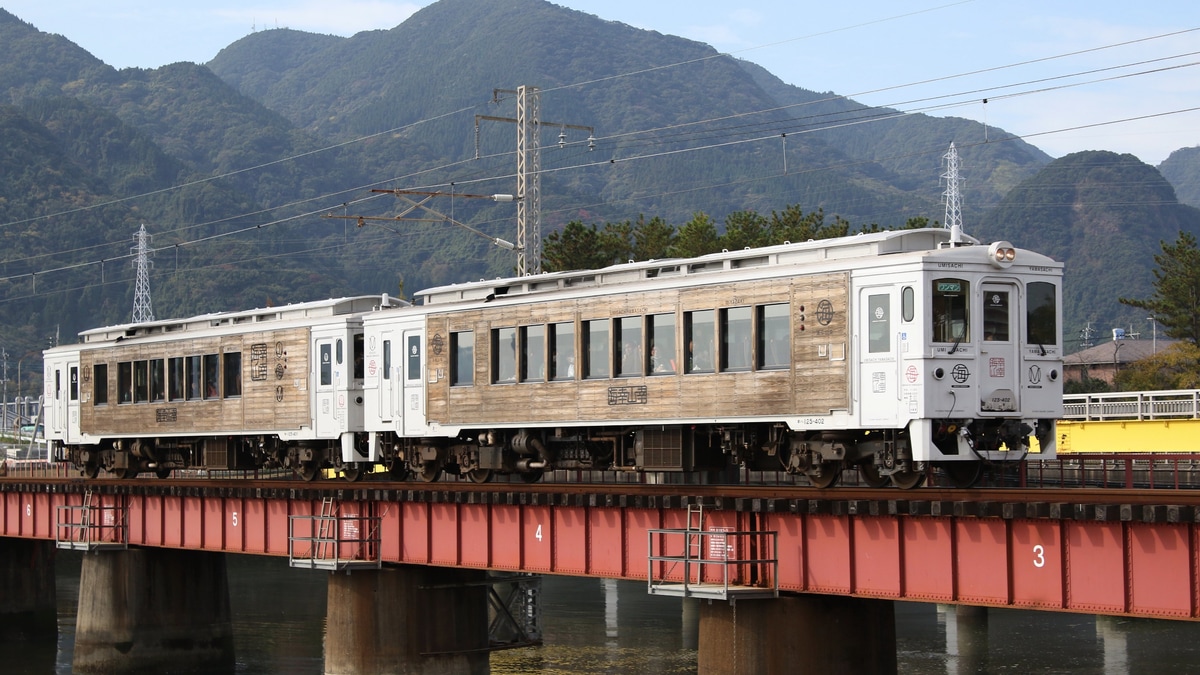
{"x":326,"y":541}
{"x":695,"y":540}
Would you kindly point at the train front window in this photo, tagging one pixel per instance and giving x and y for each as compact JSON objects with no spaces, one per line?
{"x":995,"y":316}
{"x":1041,"y":325}
{"x":951,"y":310}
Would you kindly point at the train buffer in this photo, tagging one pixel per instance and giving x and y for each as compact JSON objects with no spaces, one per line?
{"x":716,"y":564}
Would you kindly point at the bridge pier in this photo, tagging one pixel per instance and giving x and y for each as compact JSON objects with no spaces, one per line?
{"x":152,"y":609}
{"x":407,"y":620}
{"x":28,"y":610}
{"x":797,"y":634}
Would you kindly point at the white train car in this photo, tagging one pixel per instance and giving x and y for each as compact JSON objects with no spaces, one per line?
{"x":884,"y":352}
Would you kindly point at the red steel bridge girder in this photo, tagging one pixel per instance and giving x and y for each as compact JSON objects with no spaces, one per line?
{"x":1120,"y":567}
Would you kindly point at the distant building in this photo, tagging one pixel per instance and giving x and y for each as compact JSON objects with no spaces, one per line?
{"x":1105,"y":360}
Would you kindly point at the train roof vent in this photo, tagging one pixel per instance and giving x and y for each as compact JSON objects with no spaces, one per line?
{"x":710,"y":266}
{"x":754,"y":261}
{"x":576,"y":282}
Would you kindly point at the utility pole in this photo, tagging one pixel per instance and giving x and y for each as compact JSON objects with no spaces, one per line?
{"x":953,"y":218}
{"x":142,"y":310}
{"x":529,"y":170}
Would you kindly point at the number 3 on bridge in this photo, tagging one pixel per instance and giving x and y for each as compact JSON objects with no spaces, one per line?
{"x":1039,"y":556}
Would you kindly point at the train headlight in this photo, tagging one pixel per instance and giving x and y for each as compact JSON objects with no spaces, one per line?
{"x":1002,"y":254}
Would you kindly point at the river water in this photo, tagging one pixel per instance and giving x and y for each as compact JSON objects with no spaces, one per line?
{"x":594,"y":626}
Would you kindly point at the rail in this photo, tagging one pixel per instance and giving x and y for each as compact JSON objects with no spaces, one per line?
{"x":1133,"y":405}
{"x":690,"y":574}
{"x":334,"y":541}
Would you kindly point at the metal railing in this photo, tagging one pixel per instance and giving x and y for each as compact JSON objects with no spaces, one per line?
{"x":91,"y":526}
{"x":710,"y":565}
{"x":334,"y":541}
{"x":1133,"y":405}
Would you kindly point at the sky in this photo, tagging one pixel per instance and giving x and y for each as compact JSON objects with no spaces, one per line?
{"x":1066,"y":75}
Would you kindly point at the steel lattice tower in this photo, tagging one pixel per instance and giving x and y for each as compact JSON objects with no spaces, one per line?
{"x":142,"y":309}
{"x":953,"y":219}
{"x":529,"y":181}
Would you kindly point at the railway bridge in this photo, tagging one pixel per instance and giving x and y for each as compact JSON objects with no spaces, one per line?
{"x":792,"y":575}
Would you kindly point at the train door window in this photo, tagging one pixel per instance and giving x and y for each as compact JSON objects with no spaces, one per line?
{"x":698,"y":333}
{"x":340,"y":352}
{"x":462,"y":358}
{"x":774,"y":336}
{"x":533,"y":353}
{"x":951,"y":310}
{"x":125,"y":382}
{"x":158,"y":380}
{"x":326,"y":357}
{"x":73,"y":377}
{"x":357,"y":344}
{"x":562,"y":351}
{"x":414,"y":358}
{"x":908,"y":304}
{"x":629,"y":346}
{"x":195,"y":376}
{"x":735,"y":338}
{"x":175,"y":378}
{"x":387,"y":359}
{"x":100,"y":384}
{"x":504,"y":355}
{"x":232,"y":374}
{"x":662,"y":344}
{"x":141,"y":382}
{"x":212,"y":370}
{"x":879,"y":335}
{"x":595,"y":349}
{"x":995,"y":316}
{"x":1041,"y":324}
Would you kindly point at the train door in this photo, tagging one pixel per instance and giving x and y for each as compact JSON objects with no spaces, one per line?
{"x":389,"y":379}
{"x":60,"y":406}
{"x":998,"y":351}
{"x":331,"y":354}
{"x":414,"y":385}
{"x":878,"y":347}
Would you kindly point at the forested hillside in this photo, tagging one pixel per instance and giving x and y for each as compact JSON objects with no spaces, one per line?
{"x":1182,"y":168}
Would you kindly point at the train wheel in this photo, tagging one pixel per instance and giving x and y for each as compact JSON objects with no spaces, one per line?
{"x":430,"y":471}
{"x":479,"y":475}
{"x":907,"y":480}
{"x":90,"y":470}
{"x":825,"y":475}
{"x":962,"y":474}
{"x":398,"y":470}
{"x":532,"y":476}
{"x":124,"y":474}
{"x":352,"y":472}
{"x":868,"y":472}
{"x":162,"y":473}
{"x":309,"y":471}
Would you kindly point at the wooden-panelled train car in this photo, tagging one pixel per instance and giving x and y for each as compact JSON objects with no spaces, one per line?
{"x":884,"y":352}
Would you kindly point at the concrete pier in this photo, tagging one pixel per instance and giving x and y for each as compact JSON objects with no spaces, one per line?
{"x":153,"y":610}
{"x":407,"y":620}
{"x":797,"y":634}
{"x":28,"y":610}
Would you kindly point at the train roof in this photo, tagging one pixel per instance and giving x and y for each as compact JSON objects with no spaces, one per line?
{"x":857,"y":246}
{"x":289,"y":312}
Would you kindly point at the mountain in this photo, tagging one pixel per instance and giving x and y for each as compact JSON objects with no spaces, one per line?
{"x":1103,"y":214}
{"x":1182,"y":168}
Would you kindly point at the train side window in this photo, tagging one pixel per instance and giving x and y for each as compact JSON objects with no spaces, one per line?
{"x":462,"y":358}
{"x":879,"y":328}
{"x":175,"y":378}
{"x":158,"y":380}
{"x":232,"y":374}
{"x":195,"y":376}
{"x":735,"y":338}
{"x":357,"y":345}
{"x":73,"y":382}
{"x":995,"y":316}
{"x":387,"y":359}
{"x":125,"y":382}
{"x":562,"y":351}
{"x":212,"y":369}
{"x":141,"y":382}
{"x":951,"y":310}
{"x":326,"y":357}
{"x":595,"y":349}
{"x":908,"y":304}
{"x":1041,"y":325}
{"x":774,"y":337}
{"x":662,"y":345}
{"x":504,"y":355}
{"x":629,"y":346}
{"x":533,"y":353}
{"x":99,"y":384}
{"x":698,"y":332}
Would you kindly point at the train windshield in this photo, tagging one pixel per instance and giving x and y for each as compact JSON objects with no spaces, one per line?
{"x":951,"y":310}
{"x":1041,"y":325}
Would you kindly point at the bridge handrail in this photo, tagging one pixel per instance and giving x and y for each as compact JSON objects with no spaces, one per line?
{"x":698,"y":553}
{"x":1133,"y":405}
{"x":332,"y":545}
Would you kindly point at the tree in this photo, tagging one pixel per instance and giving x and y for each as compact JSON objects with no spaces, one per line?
{"x":1177,"y":367}
{"x":1176,"y":300}
{"x":696,"y":238}
{"x":652,"y":239}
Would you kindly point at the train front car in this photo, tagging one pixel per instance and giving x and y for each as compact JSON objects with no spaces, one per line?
{"x":961,"y":352}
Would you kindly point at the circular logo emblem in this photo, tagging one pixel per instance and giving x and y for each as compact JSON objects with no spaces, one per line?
{"x":878,"y":312}
{"x":438,"y":342}
{"x":1035,"y":374}
{"x":279,"y":371}
{"x":824,"y":312}
{"x":910,"y":374}
{"x":960,"y":373}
